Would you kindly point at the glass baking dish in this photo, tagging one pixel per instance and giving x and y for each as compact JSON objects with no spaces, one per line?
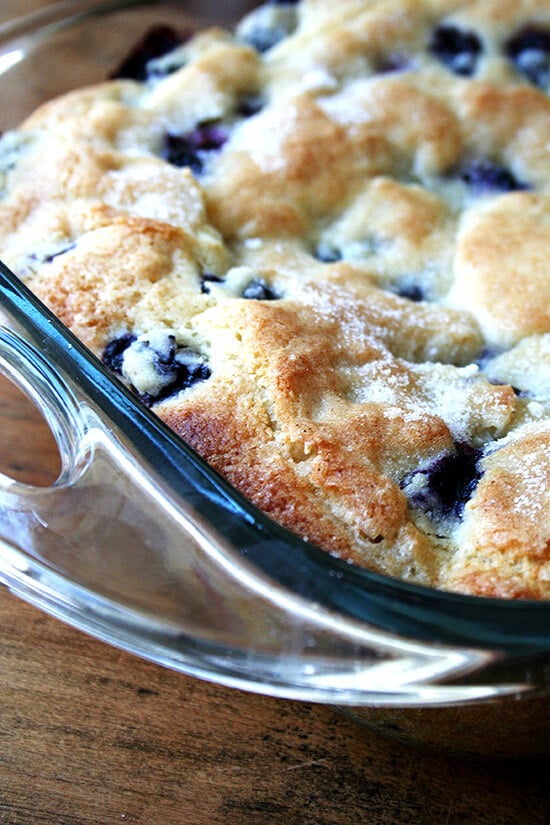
{"x":141,"y":544}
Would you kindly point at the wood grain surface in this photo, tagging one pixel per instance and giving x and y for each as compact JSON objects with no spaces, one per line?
{"x":90,"y":735}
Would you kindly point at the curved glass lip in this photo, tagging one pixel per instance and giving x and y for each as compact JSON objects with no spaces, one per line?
{"x":516,"y":628}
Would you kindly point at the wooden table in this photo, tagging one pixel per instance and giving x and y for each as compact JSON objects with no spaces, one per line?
{"x":95,"y":736}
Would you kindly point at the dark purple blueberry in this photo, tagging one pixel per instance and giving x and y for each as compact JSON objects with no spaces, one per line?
{"x":520,"y":393}
{"x":486,"y":176}
{"x":164,"y":66}
{"x":209,"y":278}
{"x":484,"y":363}
{"x":456,"y":48}
{"x":263,"y":39}
{"x":327,"y":253}
{"x":411,"y":291}
{"x":268,"y":27}
{"x":250,"y":105}
{"x":113,"y":354}
{"x":193,"y":148}
{"x":179,"y":367}
{"x":393,"y":63}
{"x":529,"y":51}
{"x":48,"y":258}
{"x":259,"y":290}
{"x":486,"y":354}
{"x":165,"y":363}
{"x":448,"y":483}
{"x":183,"y":376}
{"x":158,"y":41}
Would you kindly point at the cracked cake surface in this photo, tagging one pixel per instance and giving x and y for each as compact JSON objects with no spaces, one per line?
{"x":317,"y":247}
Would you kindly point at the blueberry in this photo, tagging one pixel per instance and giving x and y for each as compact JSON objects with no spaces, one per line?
{"x":411,"y":291}
{"x":486,"y":176}
{"x":181,"y":367}
{"x":193,"y":148}
{"x":521,"y":393}
{"x":155,"y":366}
{"x":113,"y":354}
{"x":209,"y":278}
{"x":442,"y":489}
{"x":457,"y":49}
{"x":486,"y":354}
{"x":250,"y":105}
{"x":269,"y":25}
{"x":516,"y":390}
{"x":263,"y":39}
{"x":327,"y":253}
{"x":48,"y":257}
{"x":529,"y":51}
{"x":158,"y":41}
{"x":259,"y":290}
{"x":393,"y":63}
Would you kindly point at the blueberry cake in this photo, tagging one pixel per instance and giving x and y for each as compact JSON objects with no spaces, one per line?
{"x":318,"y":247}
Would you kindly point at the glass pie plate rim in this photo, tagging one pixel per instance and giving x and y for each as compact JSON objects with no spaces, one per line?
{"x":297,"y":624}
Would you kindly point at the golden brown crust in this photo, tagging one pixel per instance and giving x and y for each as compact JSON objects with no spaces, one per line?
{"x":501,"y":267}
